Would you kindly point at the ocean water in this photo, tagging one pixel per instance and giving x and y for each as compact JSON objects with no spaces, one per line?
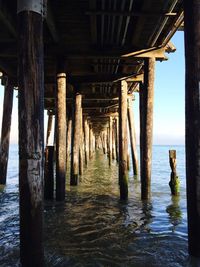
{"x":94,"y":228}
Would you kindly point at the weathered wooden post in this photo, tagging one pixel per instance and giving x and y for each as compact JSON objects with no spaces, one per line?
{"x":110,"y":140}
{"x":123,"y":145}
{"x":49,"y":126}
{"x":132,"y":136}
{"x":76,"y":139}
{"x":49,"y":173}
{"x":86,"y":140}
{"x":117,"y":138}
{"x":174,"y":180}
{"x":146,"y":126}
{"x":113,"y":141}
{"x":128,"y":161}
{"x":105,"y":142}
{"x":69,"y":134}
{"x":81,"y":144}
{"x":90,"y":141}
{"x":5,"y":130}
{"x":31,"y":132}
{"x":192,"y":96}
{"x":103,"y":139}
{"x":61,"y":134}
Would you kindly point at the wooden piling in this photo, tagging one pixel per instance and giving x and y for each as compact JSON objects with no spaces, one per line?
{"x":49,"y":126}
{"x":174,"y":180}
{"x":117,"y":138}
{"x":192,"y":96}
{"x":61,"y":136}
{"x":31,"y":135}
{"x":132,"y":136}
{"x":69,"y":134}
{"x":146,"y":126}
{"x":49,"y":173}
{"x":103,"y":139}
{"x":123,"y":145}
{"x":76,"y":134}
{"x":110,"y":140}
{"x":86,"y":140}
{"x":81,"y":144}
{"x":5,"y":131}
{"x":113,"y":141}
{"x":90,"y":141}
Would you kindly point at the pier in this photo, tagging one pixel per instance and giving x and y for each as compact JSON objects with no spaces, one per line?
{"x":83,"y":61}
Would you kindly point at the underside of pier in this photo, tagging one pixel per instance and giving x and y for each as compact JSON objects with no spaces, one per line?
{"x":83,"y":61}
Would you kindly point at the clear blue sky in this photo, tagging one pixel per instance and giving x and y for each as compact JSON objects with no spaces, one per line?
{"x":168,"y":103}
{"x":169,"y":99}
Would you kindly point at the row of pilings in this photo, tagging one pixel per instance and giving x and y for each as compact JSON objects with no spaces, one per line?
{"x":31,"y":144}
{"x":83,"y":137}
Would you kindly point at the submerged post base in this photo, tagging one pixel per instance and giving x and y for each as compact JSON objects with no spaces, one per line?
{"x":174,"y":184}
{"x":74,"y":179}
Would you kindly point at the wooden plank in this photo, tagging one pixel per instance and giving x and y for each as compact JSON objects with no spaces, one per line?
{"x":31,"y":135}
{"x":192,"y":92}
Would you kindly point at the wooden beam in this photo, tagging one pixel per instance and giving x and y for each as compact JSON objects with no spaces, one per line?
{"x":128,"y":52}
{"x":138,"y":78}
{"x":157,"y":53}
{"x":128,"y":13}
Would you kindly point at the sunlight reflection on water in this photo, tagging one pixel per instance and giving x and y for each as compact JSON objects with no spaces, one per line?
{"x":94,"y":228}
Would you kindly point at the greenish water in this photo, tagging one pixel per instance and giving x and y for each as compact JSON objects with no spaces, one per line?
{"x":94,"y":228}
